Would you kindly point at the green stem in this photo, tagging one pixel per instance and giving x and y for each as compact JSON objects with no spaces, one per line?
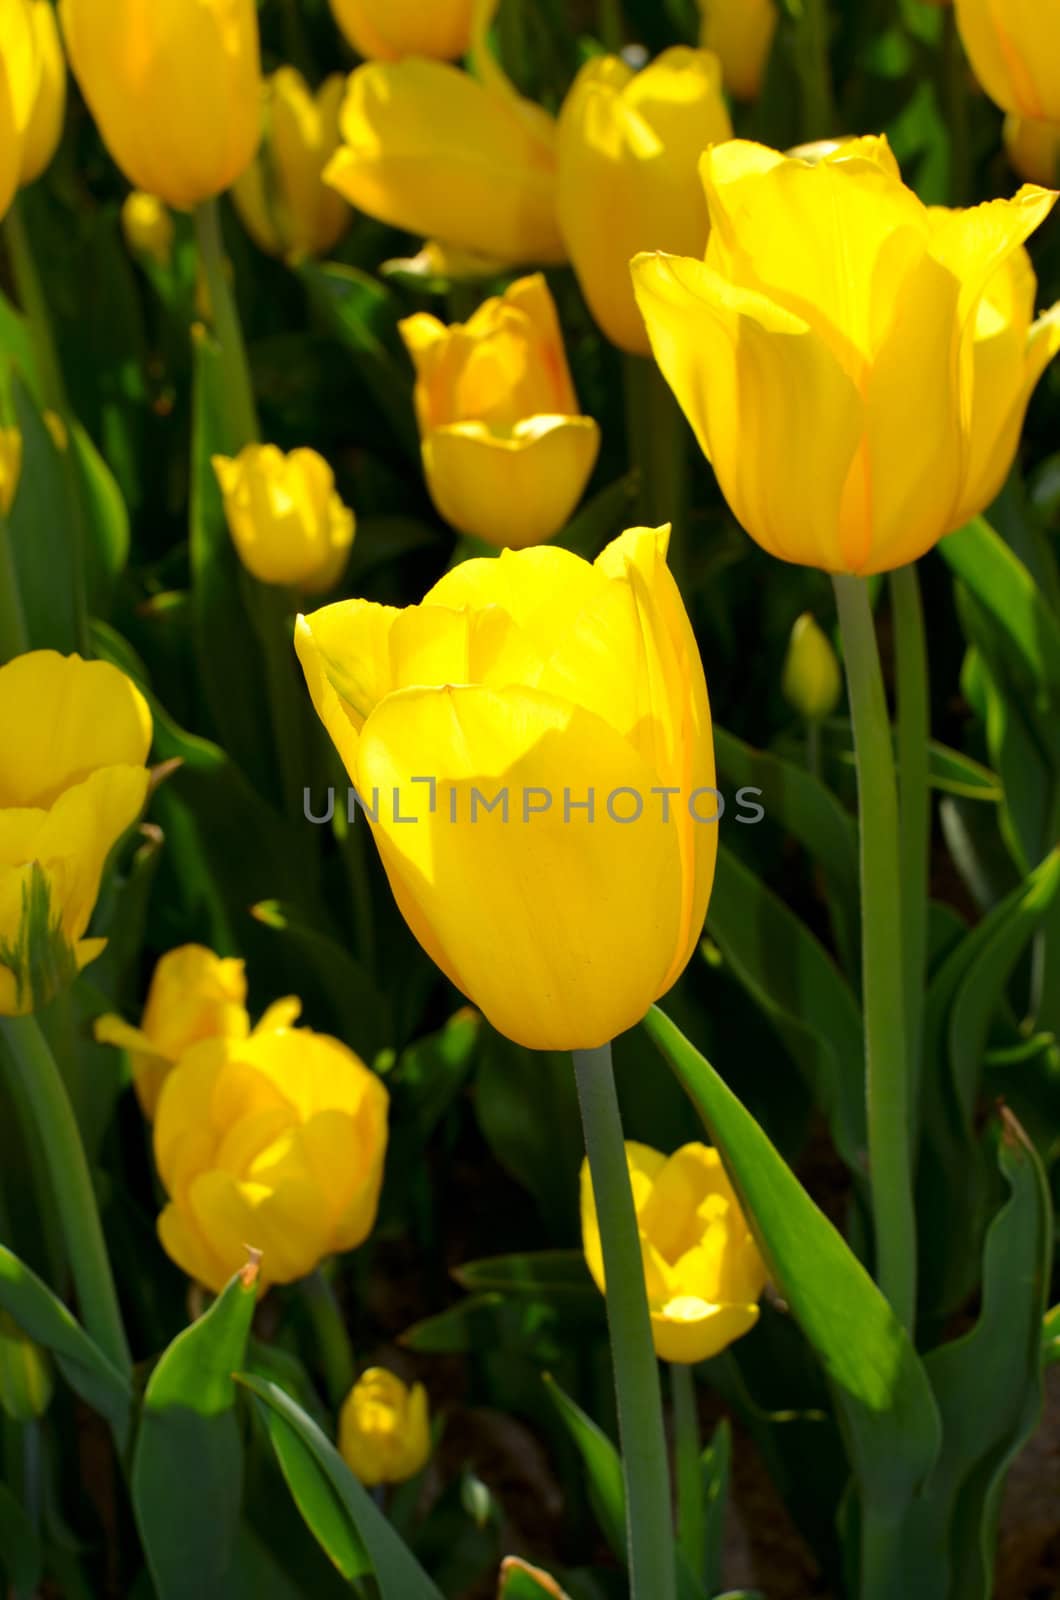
{"x":658,"y":442}
{"x":815,"y":71}
{"x":334,"y":1350}
{"x":35,"y":309}
{"x":955,"y":102}
{"x":887,"y":1057}
{"x":914,"y":734}
{"x":644,"y":1459}
{"x":813,"y":748}
{"x":14,"y":638}
{"x":272,"y":609}
{"x":239,"y":389}
{"x":691,"y":1508}
{"x":40,"y":1094}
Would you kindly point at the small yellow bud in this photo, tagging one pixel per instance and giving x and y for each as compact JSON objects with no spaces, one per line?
{"x":812,"y":681}
{"x":10,"y":467}
{"x":148,"y":227}
{"x":384,"y":1428}
{"x":287,"y":521}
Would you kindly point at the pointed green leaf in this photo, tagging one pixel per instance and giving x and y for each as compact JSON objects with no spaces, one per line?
{"x":603,"y":1467}
{"x":716,"y":1468}
{"x":316,"y":1498}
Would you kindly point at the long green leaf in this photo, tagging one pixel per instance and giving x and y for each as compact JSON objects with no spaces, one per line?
{"x":317,"y":1500}
{"x":603,"y":1467}
{"x":1001,"y":583}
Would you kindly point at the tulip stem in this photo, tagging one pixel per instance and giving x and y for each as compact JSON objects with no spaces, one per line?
{"x":239,"y":390}
{"x":271,"y":609}
{"x":639,"y":1395}
{"x":40,"y":1094}
{"x":658,"y":441}
{"x":691,"y":1499}
{"x":13,"y":636}
{"x":883,"y":966}
{"x":914,"y":733}
{"x":815,"y":71}
{"x":334,"y":1349}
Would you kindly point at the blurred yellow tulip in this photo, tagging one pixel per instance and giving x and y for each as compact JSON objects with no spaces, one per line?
{"x":544,"y":723}
{"x":629,"y":149}
{"x":282,"y":198}
{"x":10,"y":467}
{"x":384,"y":1429}
{"x":702,"y":1269}
{"x":506,"y":452}
{"x":740,"y":32}
{"x":287,"y":522}
{"x":856,"y":366}
{"x":812,"y":680}
{"x":387,"y":30}
{"x":1013,"y":48}
{"x":194,"y":995}
{"x":1033,"y":150}
{"x":74,"y":738}
{"x":20,"y":79}
{"x":276,"y":1141}
{"x":49,"y":107}
{"x":174,"y":86}
{"x":148,"y":227}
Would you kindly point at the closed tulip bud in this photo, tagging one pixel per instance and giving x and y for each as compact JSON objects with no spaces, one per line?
{"x":702,"y":1269}
{"x":194,"y":995}
{"x":438,"y":153}
{"x":26,"y":1383}
{"x":20,"y":77}
{"x":387,"y":30}
{"x":856,"y":366}
{"x":740,"y":32}
{"x":1013,"y":51}
{"x":629,"y":149}
{"x":384,"y":1429}
{"x":812,"y":680}
{"x":174,"y":86}
{"x":282,"y":198}
{"x":516,"y":1573}
{"x":148,"y":227}
{"x":10,"y":467}
{"x":276,"y":1141}
{"x":1033,"y":150}
{"x":49,"y":107}
{"x":287,"y":522}
{"x":506,"y":452}
{"x":74,"y":738}
{"x":559,"y":868}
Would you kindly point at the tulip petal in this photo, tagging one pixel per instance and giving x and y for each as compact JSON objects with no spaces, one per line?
{"x":688,"y":1330}
{"x":975,"y":243}
{"x":512,"y":491}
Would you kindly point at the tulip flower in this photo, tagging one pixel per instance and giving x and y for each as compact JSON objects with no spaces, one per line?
{"x":288,"y":524}
{"x":175,"y":89}
{"x":148,"y":227}
{"x":74,"y":737}
{"x":1013,"y":51}
{"x":629,"y":149}
{"x":545,"y":721}
{"x":812,"y":681}
{"x":276,"y":1141}
{"x":49,"y":107}
{"x":740,"y":32}
{"x":384,"y":1429}
{"x":10,"y":467}
{"x":20,"y":77}
{"x":506,"y":452}
{"x":855,"y":365}
{"x":193,"y":995}
{"x":1033,"y":149}
{"x":387,"y":30}
{"x":282,"y":199}
{"x":702,"y":1269}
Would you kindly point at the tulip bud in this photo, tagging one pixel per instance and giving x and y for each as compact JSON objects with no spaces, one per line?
{"x":287,"y":522}
{"x":10,"y":467}
{"x":282,"y":199}
{"x":506,"y":452}
{"x":740,"y":32}
{"x":1033,"y":149}
{"x":25,"y":1374}
{"x":516,"y":1574}
{"x":629,"y":149}
{"x":1013,"y":51}
{"x":148,"y":227}
{"x":702,"y":1269}
{"x":812,"y":681}
{"x":387,"y":30}
{"x":49,"y":107}
{"x":20,"y":77}
{"x":175,"y":89}
{"x":384,"y":1429}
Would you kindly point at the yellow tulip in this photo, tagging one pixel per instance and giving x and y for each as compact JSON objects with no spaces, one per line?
{"x":148,"y":227}
{"x":1033,"y":150}
{"x":702,"y":1269}
{"x":740,"y":32}
{"x":387,"y":30}
{"x":194,"y":995}
{"x":49,"y":108}
{"x":1013,"y":50}
{"x":506,"y":452}
{"x":563,"y":849}
{"x":282,"y":198}
{"x":20,"y":77}
{"x":276,"y":1141}
{"x":430,"y":149}
{"x":384,"y":1429}
{"x":287,"y":522}
{"x":812,"y":680}
{"x":856,"y":366}
{"x":74,"y":737}
{"x":10,"y":467}
{"x":174,"y":86}
{"x":629,"y":149}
